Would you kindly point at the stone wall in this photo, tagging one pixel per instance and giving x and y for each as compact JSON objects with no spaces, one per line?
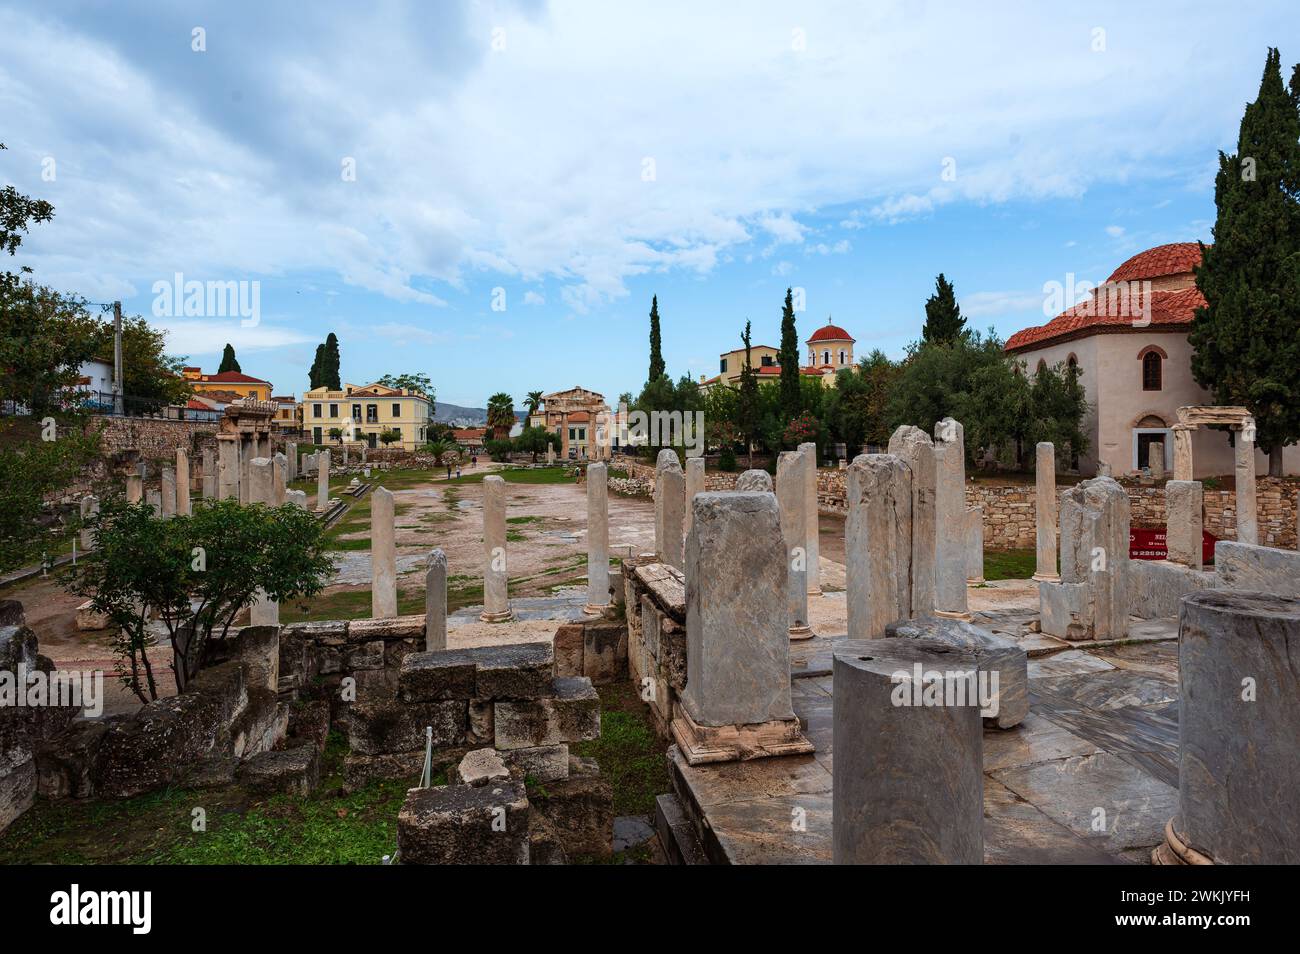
{"x":1009,"y":511}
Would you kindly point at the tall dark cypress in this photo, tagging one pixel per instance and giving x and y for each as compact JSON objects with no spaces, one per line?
{"x":791,"y":397}
{"x":330,"y":368}
{"x":228,"y":360}
{"x":314,"y":375}
{"x":943,"y":318}
{"x":657,"y":366}
{"x":748,"y":403}
{"x":1246,"y":340}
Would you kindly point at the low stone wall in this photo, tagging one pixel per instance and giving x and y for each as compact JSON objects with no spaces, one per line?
{"x":655,"y":594}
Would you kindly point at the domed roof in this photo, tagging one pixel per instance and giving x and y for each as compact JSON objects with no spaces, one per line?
{"x":1174,"y":259}
{"x":829,"y":332}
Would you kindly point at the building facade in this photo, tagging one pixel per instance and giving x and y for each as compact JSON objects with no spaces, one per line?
{"x":830,"y":350}
{"x":234,"y":382}
{"x":363,"y":414}
{"x":582,"y":420}
{"x":1128,"y":338}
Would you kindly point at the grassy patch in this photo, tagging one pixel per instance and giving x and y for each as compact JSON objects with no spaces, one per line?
{"x":327,"y":827}
{"x":1009,"y":564}
{"x":519,"y":475}
{"x":630,"y":752}
{"x":523,"y":519}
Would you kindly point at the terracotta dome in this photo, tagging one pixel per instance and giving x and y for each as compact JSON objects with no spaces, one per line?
{"x":829,"y":332}
{"x":1175,"y":259}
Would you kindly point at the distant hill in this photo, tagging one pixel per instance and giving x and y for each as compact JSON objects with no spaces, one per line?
{"x":460,"y":416}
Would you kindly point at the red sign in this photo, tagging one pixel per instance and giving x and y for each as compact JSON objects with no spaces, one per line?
{"x":1149,"y":544}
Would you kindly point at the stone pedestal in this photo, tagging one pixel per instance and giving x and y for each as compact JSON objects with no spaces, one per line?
{"x":168,"y":490}
{"x":134,"y":488}
{"x":1091,"y":601}
{"x":227,"y":466}
{"x":322,"y":481}
{"x":878,"y":545}
{"x":1247,"y":522}
{"x":1184,"y":529}
{"x":908,"y":785}
{"x":261,"y":489}
{"x":1183,"y":451}
{"x":975,"y":546}
{"x":183,"y":507}
{"x":435,"y":602}
{"x":496,"y":595}
{"x":791,"y":494}
{"x":736,"y":704}
{"x":950,"y":513}
{"x":812,"y":523}
{"x":291,"y":461}
{"x":209,"y":474}
{"x":154,"y":499}
{"x":1045,"y":511}
{"x":694,"y":485}
{"x":296,"y":497}
{"x":915,"y":448}
{"x":383,"y":555}
{"x":598,"y":539}
{"x":1238,"y":721}
{"x":754,"y":481}
{"x":670,"y":508}
{"x":279,"y":477}
{"x":1156,"y":460}
{"x":89,"y":510}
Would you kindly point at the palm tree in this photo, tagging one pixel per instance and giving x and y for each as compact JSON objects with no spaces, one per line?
{"x":501,"y":415}
{"x":443,"y":451}
{"x":534,"y":402}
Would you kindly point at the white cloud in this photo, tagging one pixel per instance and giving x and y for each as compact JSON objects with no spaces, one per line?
{"x":996,"y":303}
{"x":1115,"y":231}
{"x":534,"y":298}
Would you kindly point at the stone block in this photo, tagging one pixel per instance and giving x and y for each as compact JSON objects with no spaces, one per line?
{"x":568,"y":645}
{"x":383,"y":727}
{"x":542,"y":763}
{"x":581,"y":810}
{"x":481,"y":767}
{"x":604,"y":655}
{"x":465,"y":825}
{"x":17,"y":784}
{"x":437,"y":676}
{"x":291,"y":771}
{"x":394,"y":627}
{"x":514,"y":671}
{"x":1156,"y":587}
{"x":572,"y":714}
{"x":1244,"y":566}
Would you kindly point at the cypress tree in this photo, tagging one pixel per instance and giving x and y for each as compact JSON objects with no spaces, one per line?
{"x":313,"y":376}
{"x":330,"y":366}
{"x":1246,"y":340}
{"x":943,"y":318}
{"x":228,"y":360}
{"x":791,"y":398}
{"x":748,"y":402}
{"x":657,"y":366}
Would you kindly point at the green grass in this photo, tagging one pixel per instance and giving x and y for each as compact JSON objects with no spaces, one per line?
{"x":523,"y":519}
{"x":1009,"y":564}
{"x":327,"y":827}
{"x":631,"y":754}
{"x":518,"y":475}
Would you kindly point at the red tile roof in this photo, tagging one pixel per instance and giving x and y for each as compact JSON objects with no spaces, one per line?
{"x":468,"y":433}
{"x":230,"y":377}
{"x":829,"y":332}
{"x":1174,"y":259}
{"x":776,"y":369}
{"x":1168,"y":310}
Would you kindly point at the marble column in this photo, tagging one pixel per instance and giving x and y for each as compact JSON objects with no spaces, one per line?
{"x":975,"y":546}
{"x":279,"y":468}
{"x":261,"y":489}
{"x":227,"y":466}
{"x":791,"y":494}
{"x":597,"y":539}
{"x":247,"y":454}
{"x":383,"y":555}
{"x":1184,"y":500}
{"x":915,"y":448}
{"x":154,"y":499}
{"x":89,"y":510}
{"x":694,"y":485}
{"x":134,"y":488}
{"x":670,"y":507}
{"x":496,"y":585}
{"x":1091,"y":600}
{"x":435,"y":602}
{"x":168,"y":490}
{"x":322,"y":481}
{"x":1247,"y":522}
{"x":812,"y":523}
{"x":950,"y":512}
{"x":1238,"y":721}
{"x":183,"y":482}
{"x":1045,"y":511}
{"x":908,"y":786}
{"x":209,"y":474}
{"x":1183,"y":451}
{"x":878,"y":544}
{"x":291,"y":461}
{"x":1156,"y":460}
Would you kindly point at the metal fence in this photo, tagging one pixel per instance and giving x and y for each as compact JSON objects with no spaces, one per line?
{"x":108,"y":404}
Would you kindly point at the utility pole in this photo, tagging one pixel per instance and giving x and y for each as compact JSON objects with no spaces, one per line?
{"x":117,"y":359}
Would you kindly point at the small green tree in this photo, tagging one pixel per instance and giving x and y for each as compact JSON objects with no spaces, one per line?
{"x":390,"y":436}
{"x":532,"y":440}
{"x":943,"y":319}
{"x":657,"y":367}
{"x":791,"y":395}
{"x":228,"y":360}
{"x":501,"y":415}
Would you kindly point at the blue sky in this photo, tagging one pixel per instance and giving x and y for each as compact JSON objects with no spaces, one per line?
{"x":853,"y":151}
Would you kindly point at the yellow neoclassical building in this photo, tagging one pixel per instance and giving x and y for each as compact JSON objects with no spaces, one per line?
{"x":362,"y":414}
{"x":225,"y":383}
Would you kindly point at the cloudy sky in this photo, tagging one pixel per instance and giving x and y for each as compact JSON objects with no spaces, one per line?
{"x":490,"y":193}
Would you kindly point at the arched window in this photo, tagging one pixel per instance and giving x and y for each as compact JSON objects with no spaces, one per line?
{"x":826,"y":357}
{"x":1072,"y":362}
{"x":1042,"y":366}
{"x":843,"y":355}
{"x":1152,"y":369}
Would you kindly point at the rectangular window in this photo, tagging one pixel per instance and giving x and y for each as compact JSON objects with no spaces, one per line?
{"x":372,"y":413}
{"x":315,"y":435}
{"x":767,"y":360}
{"x":397,"y":410}
{"x":356,"y":413}
{"x":723,"y":368}
{"x":315,"y":410}
{"x":334,"y":410}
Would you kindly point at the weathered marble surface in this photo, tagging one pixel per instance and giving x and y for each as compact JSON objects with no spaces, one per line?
{"x":1091,"y":600}
{"x":598,"y":536}
{"x":1239,"y":719}
{"x":383,"y":555}
{"x":1184,"y":522}
{"x":1243,"y":566}
{"x":878,"y":544}
{"x":1155,"y":587}
{"x":914,"y":448}
{"x":907,"y":785}
{"x":949,"y":515}
{"x":791,"y":494}
{"x":670,"y":508}
{"x":754,"y":481}
{"x":1045,"y":511}
{"x":811,"y":523}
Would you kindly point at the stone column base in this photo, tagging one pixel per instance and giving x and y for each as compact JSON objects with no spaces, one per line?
{"x":701,"y":744}
{"x":1047,"y":577}
{"x":815,"y":591}
{"x":1175,"y":851}
{"x":801,"y":632}
{"x":948,"y":614}
{"x":595,"y":609}
{"x":502,"y":617}
{"x":977,"y":581}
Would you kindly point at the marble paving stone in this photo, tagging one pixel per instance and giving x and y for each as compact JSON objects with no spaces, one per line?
{"x":1017,"y":833}
{"x":1069,"y":663}
{"x":1035,"y":740}
{"x":760,"y":831}
{"x":723,"y":782}
{"x":1070,"y":790}
{"x":1115,"y":689}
